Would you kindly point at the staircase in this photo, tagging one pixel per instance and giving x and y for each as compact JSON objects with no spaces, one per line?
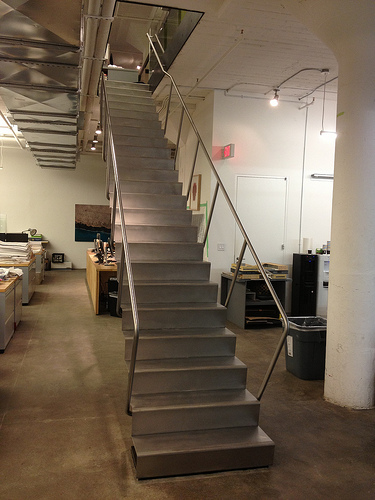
{"x":191,"y":412}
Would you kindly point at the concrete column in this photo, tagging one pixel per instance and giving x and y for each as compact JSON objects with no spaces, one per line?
{"x":348,"y":28}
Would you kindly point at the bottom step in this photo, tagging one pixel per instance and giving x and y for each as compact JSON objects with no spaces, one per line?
{"x":180,"y":453}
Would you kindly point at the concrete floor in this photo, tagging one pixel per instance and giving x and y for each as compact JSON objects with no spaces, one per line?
{"x":64,"y":433}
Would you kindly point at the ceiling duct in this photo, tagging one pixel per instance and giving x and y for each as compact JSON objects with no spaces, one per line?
{"x":43,"y":70}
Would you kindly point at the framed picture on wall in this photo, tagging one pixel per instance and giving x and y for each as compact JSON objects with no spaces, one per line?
{"x":91,"y":220}
{"x":195,"y":193}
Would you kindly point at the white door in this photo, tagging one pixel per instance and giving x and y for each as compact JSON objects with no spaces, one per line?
{"x":261,"y":205}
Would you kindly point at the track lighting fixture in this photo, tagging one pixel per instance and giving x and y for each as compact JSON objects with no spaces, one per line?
{"x":98,"y":129}
{"x":93,"y":147}
{"x":275,"y":99}
{"x":95,"y":140}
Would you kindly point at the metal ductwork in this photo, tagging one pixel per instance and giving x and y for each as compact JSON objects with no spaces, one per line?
{"x":51,"y":57}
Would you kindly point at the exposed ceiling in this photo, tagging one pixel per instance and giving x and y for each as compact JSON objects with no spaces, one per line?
{"x":49,"y":77}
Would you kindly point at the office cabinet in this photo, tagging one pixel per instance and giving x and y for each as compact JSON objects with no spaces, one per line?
{"x":40,"y":261}
{"x":29,"y":277}
{"x":304,"y":287}
{"x":251,"y":304}
{"x":17,"y":301}
{"x":6,"y":312}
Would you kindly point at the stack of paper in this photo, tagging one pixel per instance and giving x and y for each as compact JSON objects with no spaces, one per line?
{"x":15,"y":251}
{"x":36,"y":246}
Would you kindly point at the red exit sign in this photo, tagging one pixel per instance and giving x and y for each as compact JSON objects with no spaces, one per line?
{"x":228,"y":151}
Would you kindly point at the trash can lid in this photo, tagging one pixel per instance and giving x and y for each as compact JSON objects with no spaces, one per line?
{"x":308,"y":322}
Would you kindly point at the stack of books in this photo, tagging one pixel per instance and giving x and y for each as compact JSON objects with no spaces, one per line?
{"x":36,"y":237}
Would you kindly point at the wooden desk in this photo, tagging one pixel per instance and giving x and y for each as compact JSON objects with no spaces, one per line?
{"x":97,"y":276}
{"x":29,"y":276}
{"x":10,"y":305}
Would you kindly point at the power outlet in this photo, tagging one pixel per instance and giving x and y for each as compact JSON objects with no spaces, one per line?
{"x":221,"y":247}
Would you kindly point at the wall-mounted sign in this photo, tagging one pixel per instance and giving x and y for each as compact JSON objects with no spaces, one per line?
{"x":228,"y":151}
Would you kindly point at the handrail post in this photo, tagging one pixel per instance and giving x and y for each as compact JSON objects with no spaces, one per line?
{"x":160,"y":45}
{"x":192,"y":171}
{"x":211,"y":213}
{"x":113,"y":220}
{"x":178,"y":136}
{"x":120,"y":281}
{"x":235,"y":274}
{"x":167,"y":112}
{"x":262,"y":271}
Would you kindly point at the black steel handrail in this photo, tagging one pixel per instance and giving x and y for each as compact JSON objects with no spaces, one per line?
{"x":110,"y":155}
{"x":247,"y":242}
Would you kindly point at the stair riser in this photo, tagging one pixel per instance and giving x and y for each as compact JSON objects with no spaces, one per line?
{"x":124,"y":161}
{"x":189,"y":380}
{"x":170,"y":202}
{"x":135,"y":115}
{"x":128,"y":105}
{"x":202,"y":461}
{"x":193,"y":418}
{"x":155,"y":271}
{"x":129,"y":140}
{"x":138,"y":132}
{"x":146,"y":174}
{"x":143,"y":152}
{"x":157,"y":217}
{"x":119,"y":120}
{"x":160,"y":348}
{"x":153,"y":319}
{"x":132,"y":98}
{"x":157,"y":234}
{"x":149,"y":187}
{"x":165,"y":251}
{"x":115,"y":94}
{"x":153,"y":293}
{"x":121,"y":86}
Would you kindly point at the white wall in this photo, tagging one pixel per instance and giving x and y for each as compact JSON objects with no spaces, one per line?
{"x":45,"y":199}
{"x":282,"y":141}
{"x":203,"y":118}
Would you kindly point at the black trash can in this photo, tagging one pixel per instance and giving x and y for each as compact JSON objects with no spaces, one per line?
{"x":112,"y":303}
{"x":305,"y":347}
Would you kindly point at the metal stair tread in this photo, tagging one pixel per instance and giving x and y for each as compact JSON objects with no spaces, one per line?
{"x":153,"y":146}
{"x":182,"y":244}
{"x":162,"y":211}
{"x":147,"y":174}
{"x":143,"y":181}
{"x":144,"y":225}
{"x":142,"y":107}
{"x":132,"y":153}
{"x":196,"y":441}
{"x":173,"y":283}
{"x":181,"y":364}
{"x":186,"y":399}
{"x":130,"y":131}
{"x":179,"y":263}
{"x":180,"y":306}
{"x":156,"y":196}
{"x":180,"y":333}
